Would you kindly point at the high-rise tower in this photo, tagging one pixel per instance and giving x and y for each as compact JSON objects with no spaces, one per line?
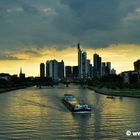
{"x":97,"y":65}
{"x":42,"y":70}
{"x":82,"y":60}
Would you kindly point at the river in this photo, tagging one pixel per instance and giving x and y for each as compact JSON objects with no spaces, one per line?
{"x":39,"y":114}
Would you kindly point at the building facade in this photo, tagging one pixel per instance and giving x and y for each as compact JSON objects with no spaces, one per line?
{"x":106,"y":68}
{"x":113,"y":71}
{"x":42,"y":70}
{"x":75,"y":71}
{"x":89,"y":69}
{"x":52,"y":69}
{"x":68,"y":72}
{"x":61,"y":69}
{"x":97,"y":60}
{"x":137,"y":66}
{"x":82,"y":63}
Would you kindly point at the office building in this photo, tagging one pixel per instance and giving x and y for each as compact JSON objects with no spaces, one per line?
{"x":82,"y":63}
{"x":103,"y":68}
{"x":42,"y":70}
{"x":52,"y":69}
{"x":137,"y":65}
{"x":68,"y":71}
{"x":55,"y":69}
{"x":106,"y":68}
{"x":61,"y":69}
{"x":113,"y":71}
{"x":75,"y":71}
{"x":89,"y":69}
{"x":97,"y":65}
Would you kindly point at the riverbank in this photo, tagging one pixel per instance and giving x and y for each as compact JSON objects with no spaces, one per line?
{"x":134,"y":93}
{"x":12,"y":88}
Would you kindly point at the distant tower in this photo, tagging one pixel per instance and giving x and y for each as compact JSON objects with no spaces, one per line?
{"x":88,"y":68}
{"x":82,"y":60}
{"x":52,"y":69}
{"x":75,"y":71}
{"x":21,"y":75}
{"x":137,"y":65}
{"x":97,"y":65}
{"x":20,"y":70}
{"x":68,"y":70}
{"x":42,"y":70}
{"x":79,"y":60}
{"x":61,"y":69}
{"x":113,"y":71}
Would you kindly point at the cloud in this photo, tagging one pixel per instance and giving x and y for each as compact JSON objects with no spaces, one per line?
{"x":15,"y":10}
{"x":94,"y":23}
{"x":8,"y":57}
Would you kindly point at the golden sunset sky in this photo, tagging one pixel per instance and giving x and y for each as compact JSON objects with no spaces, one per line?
{"x":34,"y":31}
{"x":121,"y":57}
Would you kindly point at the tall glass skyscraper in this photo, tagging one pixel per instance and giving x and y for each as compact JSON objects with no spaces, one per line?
{"x":82,"y":63}
{"x":52,"y":69}
{"x":97,"y":65}
{"x":55,"y":69}
{"x":42,"y":70}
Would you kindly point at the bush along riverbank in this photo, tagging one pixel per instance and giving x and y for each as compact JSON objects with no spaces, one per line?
{"x":7,"y":89}
{"x":135,"y":93}
{"x":113,"y":86}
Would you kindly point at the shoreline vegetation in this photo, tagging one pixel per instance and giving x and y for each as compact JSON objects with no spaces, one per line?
{"x":134,"y":93}
{"x":114,"y":85}
{"x":4,"y":90}
{"x":111,"y":85}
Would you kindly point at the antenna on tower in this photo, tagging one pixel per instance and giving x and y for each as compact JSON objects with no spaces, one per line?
{"x":78,"y":46}
{"x":20,"y":70}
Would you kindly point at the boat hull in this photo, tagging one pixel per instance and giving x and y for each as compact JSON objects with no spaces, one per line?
{"x":72,"y":107}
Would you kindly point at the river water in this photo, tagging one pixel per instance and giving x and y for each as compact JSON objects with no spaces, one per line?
{"x":39,"y":114}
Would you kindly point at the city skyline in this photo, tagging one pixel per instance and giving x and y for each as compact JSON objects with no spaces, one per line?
{"x":69,"y":55}
{"x":35,"y":31}
{"x":84,"y":70}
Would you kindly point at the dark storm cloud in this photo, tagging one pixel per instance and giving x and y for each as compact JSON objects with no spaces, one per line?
{"x":95,"y":23}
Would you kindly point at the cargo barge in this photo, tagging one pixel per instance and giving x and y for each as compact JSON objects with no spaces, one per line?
{"x":73,"y":105}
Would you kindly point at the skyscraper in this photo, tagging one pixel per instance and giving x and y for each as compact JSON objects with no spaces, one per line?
{"x":103,"y":68}
{"x":55,"y":69}
{"x":82,"y":63}
{"x":61,"y":69}
{"x":106,"y":68}
{"x":52,"y":69}
{"x":68,"y":71}
{"x":79,"y":61}
{"x":97,"y":65}
{"x":42,"y":70}
{"x":75,"y":71}
{"x":88,"y":69}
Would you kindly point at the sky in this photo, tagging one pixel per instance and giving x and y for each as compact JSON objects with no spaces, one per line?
{"x":34,"y":31}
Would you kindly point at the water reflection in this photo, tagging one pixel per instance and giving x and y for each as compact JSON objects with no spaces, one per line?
{"x":39,"y":114}
{"x":84,"y":130}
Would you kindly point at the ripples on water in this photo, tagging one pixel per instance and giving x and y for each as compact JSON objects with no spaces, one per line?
{"x":39,"y":114}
